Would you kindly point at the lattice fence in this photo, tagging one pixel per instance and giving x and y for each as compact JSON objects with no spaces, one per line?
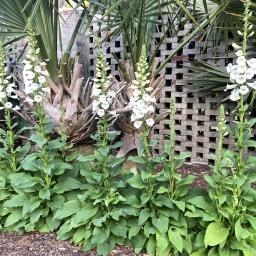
{"x":196,"y":114}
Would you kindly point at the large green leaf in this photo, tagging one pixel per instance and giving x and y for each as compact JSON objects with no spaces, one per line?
{"x":216,"y":233}
{"x":100,"y":235}
{"x":14,"y":217}
{"x":23,"y":180}
{"x":176,"y":239}
{"x":69,"y":208}
{"x":144,"y":215}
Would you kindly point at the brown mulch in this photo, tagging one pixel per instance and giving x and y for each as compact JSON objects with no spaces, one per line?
{"x":35,"y":244}
{"x":198,"y":170}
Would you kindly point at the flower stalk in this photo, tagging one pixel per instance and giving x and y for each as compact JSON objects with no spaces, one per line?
{"x":6,"y":92}
{"x":222,"y":130}
{"x":141,"y":103}
{"x":103,"y":99}
{"x":172,"y":146}
{"x":36,"y":90}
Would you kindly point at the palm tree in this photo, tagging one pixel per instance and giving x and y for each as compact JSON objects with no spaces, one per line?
{"x":135,"y":21}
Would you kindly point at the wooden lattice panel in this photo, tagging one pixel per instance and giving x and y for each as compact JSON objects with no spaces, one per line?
{"x":197,"y":114}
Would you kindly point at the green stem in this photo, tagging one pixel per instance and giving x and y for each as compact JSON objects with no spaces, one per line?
{"x":12,"y":159}
{"x":170,"y":161}
{"x":103,"y":143}
{"x":147,"y":155}
{"x":171,"y":158}
{"x":217,"y":168}
{"x":42,"y":131}
{"x":241,"y":146}
{"x":246,"y":24}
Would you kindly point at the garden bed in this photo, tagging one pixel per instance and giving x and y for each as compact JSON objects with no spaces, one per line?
{"x":36,"y":244}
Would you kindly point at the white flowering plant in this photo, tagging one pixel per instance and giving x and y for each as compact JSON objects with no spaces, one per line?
{"x":102,"y":94}
{"x":43,"y":179}
{"x":227,"y":210}
{"x":34,"y":72}
{"x":158,"y":188}
{"x":98,"y":209}
{"x":11,"y":153}
{"x":142,"y":103}
{"x":242,"y":76}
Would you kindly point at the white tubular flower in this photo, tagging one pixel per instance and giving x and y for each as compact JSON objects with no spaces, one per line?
{"x":141,"y":103}
{"x":95,"y":105}
{"x":241,"y":60}
{"x":231,"y":86}
{"x":96,"y":92}
{"x":252,"y":85}
{"x":241,"y":79}
{"x":235,"y":95}
{"x":150,"y":122}
{"x":2,"y":95}
{"x":111,"y":94}
{"x":137,"y":124}
{"x":9,"y":90}
{"x":233,"y":75}
{"x":6,"y":88}
{"x":105,"y":105}
{"x":8,"y":105}
{"x":241,"y":68}
{"x":242,"y":75}
{"x":38,"y":98}
{"x":252,"y":63}
{"x":229,"y":67}
{"x":100,"y":112}
{"x":36,"y":88}
{"x":151,"y":109}
{"x":28,"y":66}
{"x":244,"y":90}
{"x":249,"y":73}
{"x":41,"y":79}
{"x":38,"y":69}
{"x":239,"y":53}
{"x":44,"y":72}
{"x":113,"y":113}
{"x":102,"y":99}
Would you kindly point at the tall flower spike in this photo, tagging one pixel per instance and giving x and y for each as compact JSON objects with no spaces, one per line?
{"x":102,"y":97}
{"x":6,"y":89}
{"x":242,"y":75}
{"x":34,"y":72}
{"x":141,"y":103}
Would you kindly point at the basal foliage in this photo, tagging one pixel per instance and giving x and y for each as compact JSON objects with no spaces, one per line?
{"x":35,"y":178}
{"x":96,"y":203}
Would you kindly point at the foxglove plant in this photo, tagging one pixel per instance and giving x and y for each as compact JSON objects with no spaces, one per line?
{"x":10,"y":155}
{"x":231,"y":227}
{"x":98,"y":214}
{"x":36,"y":91}
{"x":6,"y":93}
{"x":34,"y":72}
{"x":45,"y":174}
{"x":155,"y":194}
{"x":103,"y":98}
{"x":141,"y":103}
{"x":243,"y":74}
